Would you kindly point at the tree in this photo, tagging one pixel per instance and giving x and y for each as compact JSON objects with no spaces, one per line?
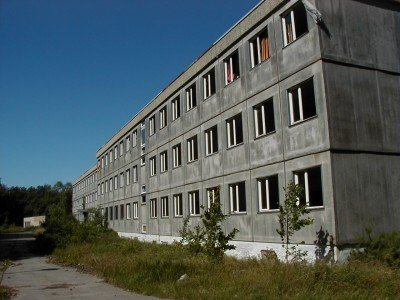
{"x":290,"y":220}
{"x":209,"y":238}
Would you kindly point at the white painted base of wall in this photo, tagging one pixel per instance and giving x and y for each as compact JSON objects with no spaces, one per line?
{"x":244,"y":249}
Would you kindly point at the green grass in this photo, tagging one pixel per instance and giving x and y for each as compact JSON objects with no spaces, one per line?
{"x":16,"y":229}
{"x":5,"y":292}
{"x":154,"y":269}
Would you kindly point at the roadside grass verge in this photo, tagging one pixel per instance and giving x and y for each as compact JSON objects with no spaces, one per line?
{"x":16,"y":229}
{"x":5,"y":292}
{"x":153,"y":269}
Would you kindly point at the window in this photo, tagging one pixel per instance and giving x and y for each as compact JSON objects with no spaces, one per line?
{"x":121,"y":180}
{"x":135,"y":174}
{"x":176,"y":155}
{"x":106,"y":159}
{"x":264,"y":120}
{"x":153,"y":208}
{"x":152,"y":125}
{"x":302,"y":102}
{"x":116,"y":152}
{"x":143,"y":199}
{"x":135,"y":210}
{"x":142,"y":134}
{"x":212,"y":194}
{"x":211,"y":136}
{"x":192,"y":149}
{"x":134,"y":138}
{"x":237,"y":196}
{"x":102,"y":162}
{"x":111,"y":156}
{"x":115,"y":182}
{"x":143,"y":160}
{"x":106,"y":185}
{"x":231,"y":65}
{"x":234,"y":131}
{"x":268,"y":193}
{"x":98,"y":189}
{"x":194,"y":203}
{"x":164,"y":207}
{"x":176,"y":108}
{"x":128,"y":143}
{"x":128,"y":176}
{"x":153,"y":166}
{"x":128,"y":211}
{"x":164,"y":161}
{"x":191,"y":97}
{"x":209,"y":84}
{"x":163,"y":117}
{"x":111,"y":184}
{"x":121,"y":148}
{"x":294,"y":24}
{"x":116,"y":212}
{"x":259,"y":48}
{"x":111,"y":213}
{"x":102,"y":188}
{"x":178,"y":205}
{"x":121,"y":210}
{"x":310,"y":180}
{"x":106,"y":213}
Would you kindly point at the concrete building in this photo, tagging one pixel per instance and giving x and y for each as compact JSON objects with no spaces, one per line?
{"x":304,"y":91}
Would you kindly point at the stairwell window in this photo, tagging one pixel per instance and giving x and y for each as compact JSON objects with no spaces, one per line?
{"x":264,"y":120}
{"x":153,"y":170}
{"x":176,"y":108}
{"x":234,"y":130}
{"x":194,"y":203}
{"x":237,"y":196}
{"x":302,"y":102}
{"x":191,"y":97}
{"x":268,"y":193}
{"x":153,"y":208}
{"x":192,"y":151}
{"x":259,"y":48}
{"x":135,"y":209}
{"x":176,"y":156}
{"x":164,"y":207}
{"x":211,"y":137}
{"x":294,"y":24}
{"x":178,"y":205}
{"x":231,"y":68}
{"x":164,"y":161}
{"x":209,"y":84}
{"x":152,"y":125}
{"x":163,"y":117}
{"x":310,"y":180}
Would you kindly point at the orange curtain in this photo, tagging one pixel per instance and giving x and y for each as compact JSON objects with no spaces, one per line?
{"x":264,"y":48}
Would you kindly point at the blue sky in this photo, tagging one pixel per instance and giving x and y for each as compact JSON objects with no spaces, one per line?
{"x":72,"y":73}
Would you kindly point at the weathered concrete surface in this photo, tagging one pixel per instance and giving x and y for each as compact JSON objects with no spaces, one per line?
{"x":34,"y":278}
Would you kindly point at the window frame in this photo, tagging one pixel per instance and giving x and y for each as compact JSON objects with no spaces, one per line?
{"x":261,"y":109}
{"x":307,"y":185}
{"x":231,"y":125}
{"x":164,"y":161}
{"x":135,"y":177}
{"x":209,"y":84}
{"x":211,"y":192}
{"x":135,"y":210}
{"x":266,"y":181}
{"x":254,"y":42}
{"x":128,"y":177}
{"x":190,"y":96}
{"x":237,"y":193}
{"x":128,"y":211}
{"x":176,"y":108}
{"x":211,"y":144}
{"x":299,"y":89}
{"x":177,"y":156}
{"x":153,"y":166}
{"x":152,"y":125}
{"x":194,"y":203}
{"x":192,"y":149}
{"x":229,"y":63}
{"x":291,"y":14}
{"x":164,"y":207}
{"x":163,"y":117}
{"x":153,"y":208}
{"x":178,"y":205}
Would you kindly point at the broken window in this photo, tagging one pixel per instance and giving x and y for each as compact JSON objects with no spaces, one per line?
{"x":164,"y":161}
{"x":176,"y":155}
{"x":163,"y":117}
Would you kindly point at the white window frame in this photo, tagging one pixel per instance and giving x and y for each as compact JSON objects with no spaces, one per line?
{"x":116,"y":152}
{"x":152,"y":125}
{"x":260,"y":182}
{"x":111,"y":155}
{"x":102,"y":163}
{"x":135,"y":173}
{"x":164,"y":207}
{"x":306,"y":184}
{"x":143,"y":134}
{"x":178,"y":205}
{"x":164,"y":161}
{"x":106,"y":186}
{"x":110,"y":184}
{"x":134,"y":138}
{"x":298,"y":91}
{"x":102,"y":188}
{"x":128,"y":143}
{"x":207,"y":84}
{"x":121,"y":148}
{"x":153,"y":208}
{"x":260,"y":112}
{"x":177,"y":155}
{"x":231,"y":125}
{"x":193,"y":198}
{"x":106,"y":159}
{"x":191,"y":149}
{"x":115,"y":182}
{"x":128,"y":176}
{"x":128,"y":211}
{"x":175,"y":104}
{"x":163,"y":117}
{"x":209,"y":139}
{"x":234,"y":198}
{"x":121,"y":179}
{"x":135,"y":210}
{"x":228,"y":63}
{"x":191,"y":97}
{"x":211,"y":194}
{"x":255,"y":42}
{"x":153,"y":166}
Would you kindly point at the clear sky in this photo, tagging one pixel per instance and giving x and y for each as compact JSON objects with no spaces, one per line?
{"x":72,"y":73}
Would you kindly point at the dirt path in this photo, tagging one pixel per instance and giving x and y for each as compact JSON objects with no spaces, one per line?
{"x":34,"y":278}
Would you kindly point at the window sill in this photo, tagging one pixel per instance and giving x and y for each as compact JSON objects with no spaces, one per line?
{"x":257,"y":65}
{"x":239,"y":213}
{"x":165,"y":217}
{"x":190,"y":109}
{"x":162,"y":172}
{"x":234,"y":80}
{"x":153,"y":218}
{"x":210,"y":96}
{"x":178,"y":217}
{"x":315,"y":207}
{"x":177,"y":167}
{"x":192,"y":161}
{"x":162,"y":128}
{"x":270,"y":211}
{"x":196,"y":215}
{"x":303,"y":121}
{"x":265,"y":135}
{"x":292,"y":42}
{"x":234,"y":146}
{"x":173,"y":120}
{"x":211,"y":154}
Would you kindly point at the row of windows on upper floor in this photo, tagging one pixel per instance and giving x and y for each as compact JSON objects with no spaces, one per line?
{"x":85,"y":182}
{"x":267,"y":197}
{"x":294,"y":25}
{"x":301,"y":107}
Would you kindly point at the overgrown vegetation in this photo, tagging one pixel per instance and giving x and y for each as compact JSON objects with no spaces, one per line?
{"x":291,"y":220}
{"x":208,"y":237}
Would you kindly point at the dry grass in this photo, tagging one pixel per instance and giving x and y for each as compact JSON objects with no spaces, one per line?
{"x":153,"y":269}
